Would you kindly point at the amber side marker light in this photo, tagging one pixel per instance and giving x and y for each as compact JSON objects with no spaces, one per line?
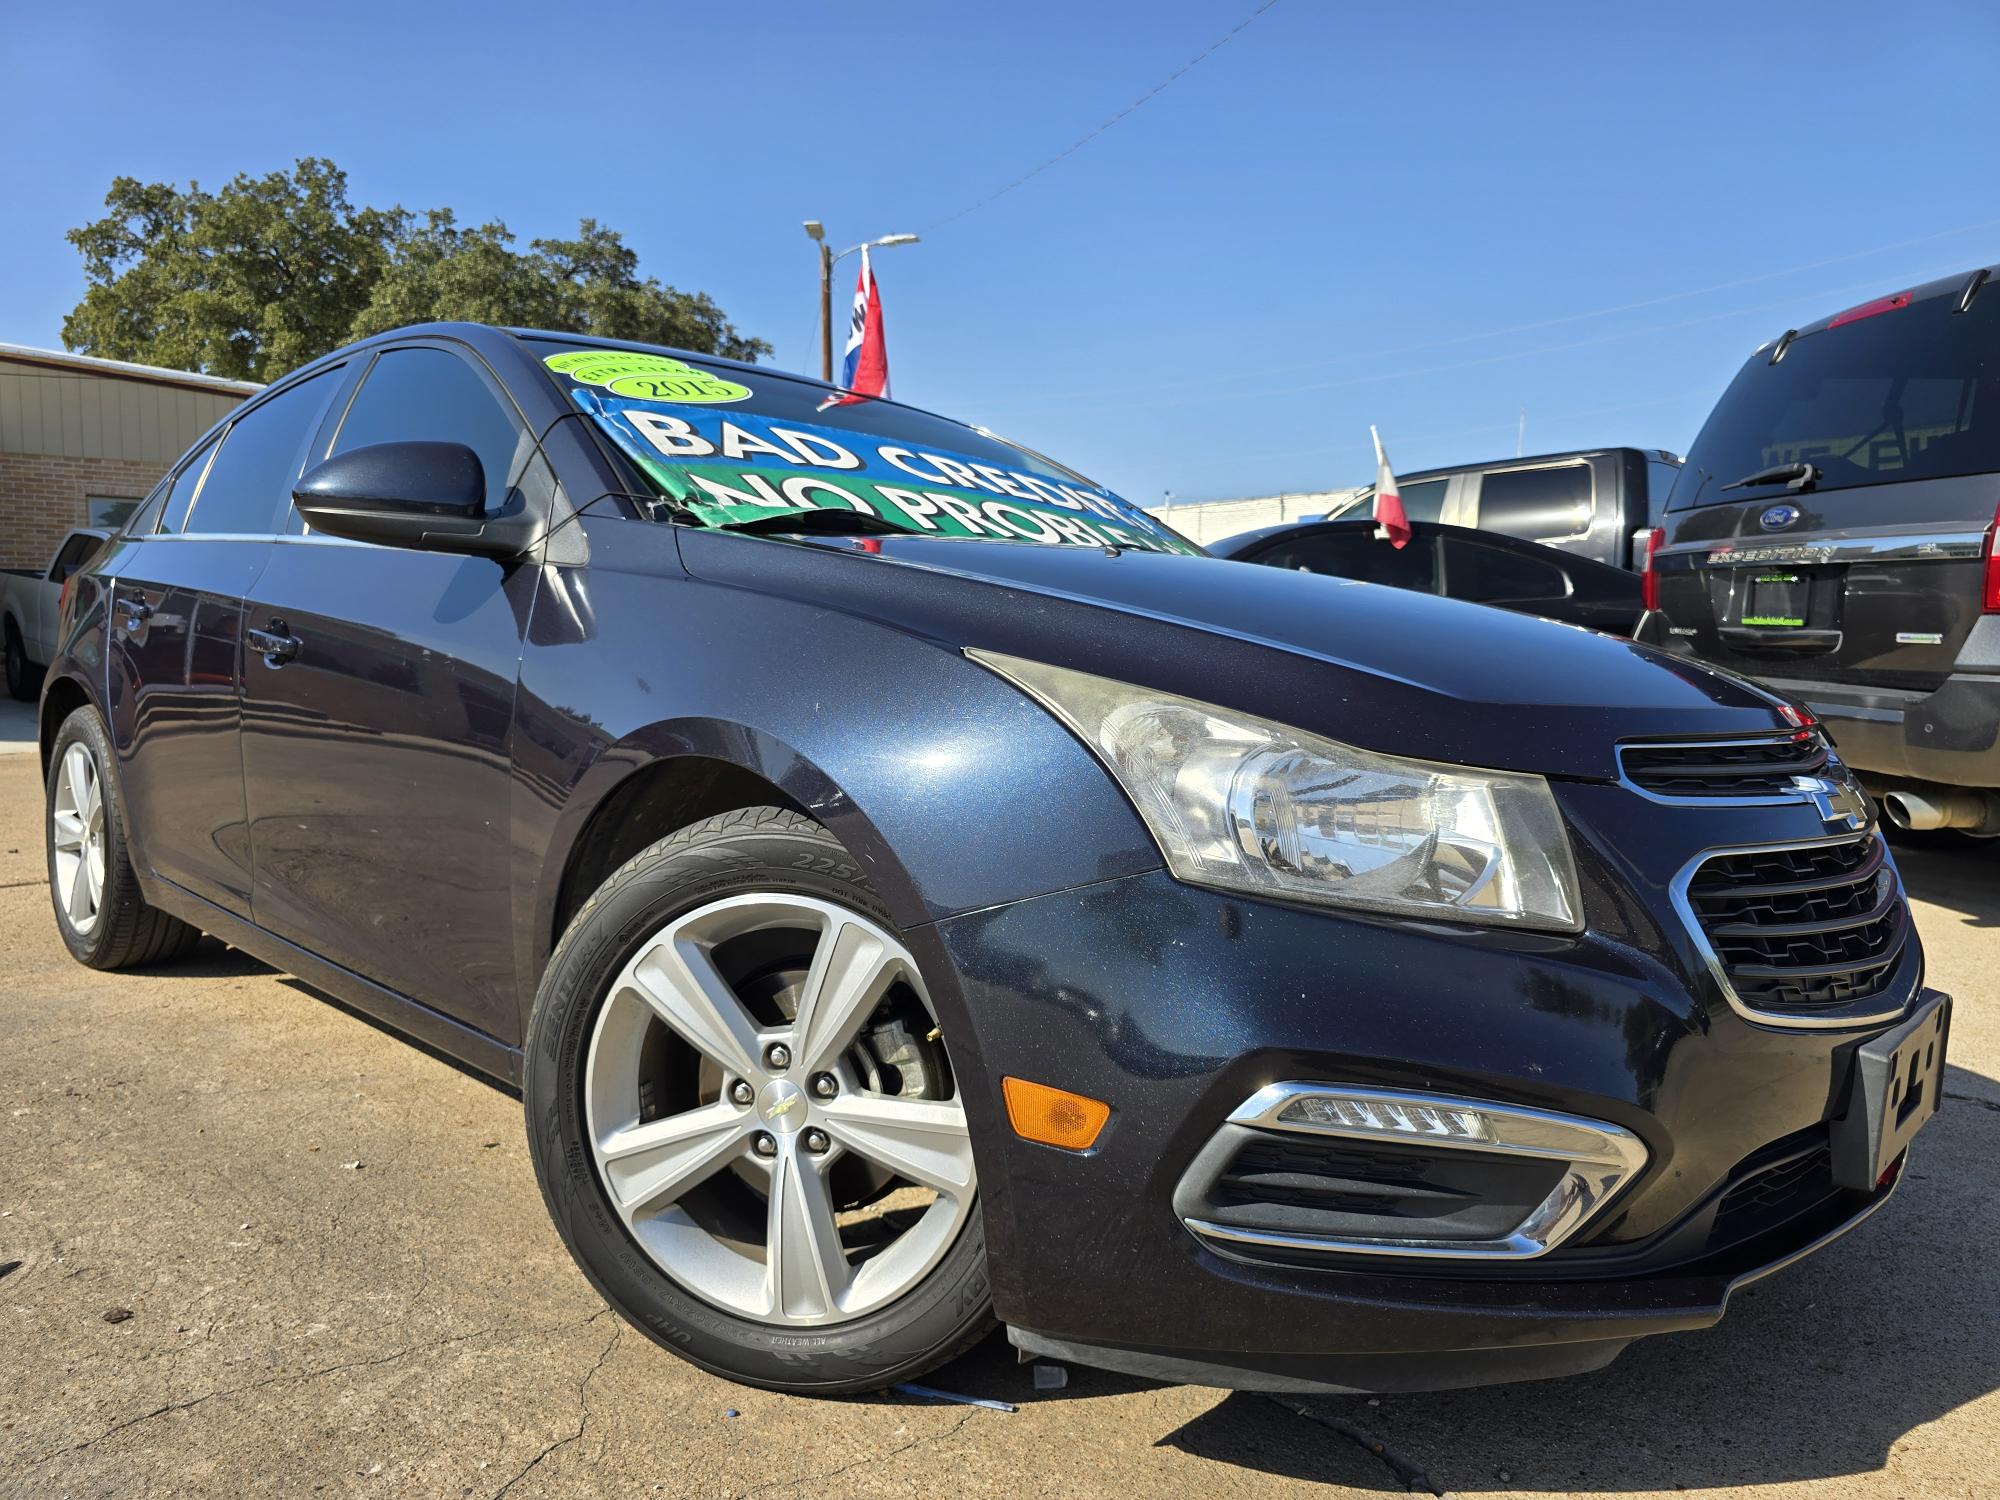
{"x":1054,"y":1117}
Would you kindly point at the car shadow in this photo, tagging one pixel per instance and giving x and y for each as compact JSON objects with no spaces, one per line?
{"x":1957,"y":873}
{"x":1815,"y":1373}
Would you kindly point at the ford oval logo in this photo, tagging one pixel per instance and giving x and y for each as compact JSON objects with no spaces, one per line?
{"x":1778,"y":517}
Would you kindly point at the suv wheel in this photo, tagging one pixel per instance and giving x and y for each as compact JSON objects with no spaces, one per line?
{"x":20,"y":672}
{"x":744,"y":1118}
{"x":104,"y":919}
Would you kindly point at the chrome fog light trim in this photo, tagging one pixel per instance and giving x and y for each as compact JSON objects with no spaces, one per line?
{"x":1601,"y":1157}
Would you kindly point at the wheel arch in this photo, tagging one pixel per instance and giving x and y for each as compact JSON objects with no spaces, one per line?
{"x":667,"y":775}
{"x":61,"y":697}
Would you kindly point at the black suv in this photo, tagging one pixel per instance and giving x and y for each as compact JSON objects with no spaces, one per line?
{"x":1833,"y":535}
{"x":909,"y":886}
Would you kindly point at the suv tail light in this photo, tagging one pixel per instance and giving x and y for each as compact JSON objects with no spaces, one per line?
{"x":1989,"y":602}
{"x":69,"y":587}
{"x":1649,"y":575}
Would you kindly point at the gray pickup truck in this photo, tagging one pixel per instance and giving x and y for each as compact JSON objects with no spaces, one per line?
{"x":28,"y":604}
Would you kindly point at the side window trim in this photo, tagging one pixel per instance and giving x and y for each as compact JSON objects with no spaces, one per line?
{"x":206,"y":456}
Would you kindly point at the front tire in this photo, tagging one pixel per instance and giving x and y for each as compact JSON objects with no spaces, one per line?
{"x":104,"y":919}
{"x":744,"y":1120}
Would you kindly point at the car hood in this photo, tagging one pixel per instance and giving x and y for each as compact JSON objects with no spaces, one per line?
{"x":1384,"y":668}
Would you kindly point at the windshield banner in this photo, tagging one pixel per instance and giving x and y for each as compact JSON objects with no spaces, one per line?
{"x":733,"y":465}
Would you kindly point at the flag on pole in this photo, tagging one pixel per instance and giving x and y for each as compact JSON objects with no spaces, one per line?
{"x":1390,"y":522}
{"x":864,"y":366}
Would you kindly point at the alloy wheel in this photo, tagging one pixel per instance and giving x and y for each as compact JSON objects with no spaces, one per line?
{"x":771,"y":1113}
{"x":79,"y":839}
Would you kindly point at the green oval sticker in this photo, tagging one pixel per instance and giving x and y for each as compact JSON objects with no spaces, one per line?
{"x":646,"y":377}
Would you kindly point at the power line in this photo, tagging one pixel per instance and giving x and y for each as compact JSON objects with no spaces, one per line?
{"x":1209,"y":381}
{"x":1222,"y":389}
{"x":1087,"y":138}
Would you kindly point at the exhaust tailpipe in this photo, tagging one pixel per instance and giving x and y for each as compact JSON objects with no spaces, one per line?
{"x":1976,"y":813}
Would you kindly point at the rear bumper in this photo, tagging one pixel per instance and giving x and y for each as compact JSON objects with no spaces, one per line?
{"x":1951,"y":736}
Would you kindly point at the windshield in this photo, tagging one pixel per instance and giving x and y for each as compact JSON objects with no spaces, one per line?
{"x":1908,"y":392}
{"x":730,"y":447}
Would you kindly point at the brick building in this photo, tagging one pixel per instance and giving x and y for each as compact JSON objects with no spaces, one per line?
{"x":83,"y":439}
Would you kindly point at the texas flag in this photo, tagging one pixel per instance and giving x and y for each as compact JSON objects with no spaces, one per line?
{"x":864,"y":366}
{"x":1390,"y":522}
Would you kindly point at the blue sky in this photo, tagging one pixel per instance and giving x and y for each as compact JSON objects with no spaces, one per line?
{"x":1398,"y":214}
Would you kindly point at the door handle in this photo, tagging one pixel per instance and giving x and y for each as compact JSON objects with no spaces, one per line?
{"x":277,"y":645}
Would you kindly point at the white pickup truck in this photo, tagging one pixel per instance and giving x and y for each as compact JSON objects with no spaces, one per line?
{"x":28,"y":601}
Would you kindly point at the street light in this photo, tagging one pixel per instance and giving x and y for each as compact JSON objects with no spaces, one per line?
{"x":816,"y":232}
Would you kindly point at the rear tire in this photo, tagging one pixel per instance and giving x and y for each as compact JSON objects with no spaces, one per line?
{"x":720,"y":1253}
{"x":22,"y":678}
{"x":105,"y":921}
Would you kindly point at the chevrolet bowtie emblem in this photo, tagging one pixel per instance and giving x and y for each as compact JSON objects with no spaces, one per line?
{"x":1839,"y":803}
{"x":783,"y":1106}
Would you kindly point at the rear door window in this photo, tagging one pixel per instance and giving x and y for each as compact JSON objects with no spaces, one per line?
{"x":1424,"y":501}
{"x":249,"y":485}
{"x":1536,"y":503}
{"x":1357,"y":553}
{"x":1496,"y":575}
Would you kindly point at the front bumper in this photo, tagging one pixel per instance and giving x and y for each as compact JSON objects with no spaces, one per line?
{"x":1176,"y":1005}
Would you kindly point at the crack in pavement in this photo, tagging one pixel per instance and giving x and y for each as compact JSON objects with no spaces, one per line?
{"x":1407,"y":1473}
{"x":859,"y":1463}
{"x":583,"y":1403}
{"x":1974,"y":1099}
{"x":294,"y":1378}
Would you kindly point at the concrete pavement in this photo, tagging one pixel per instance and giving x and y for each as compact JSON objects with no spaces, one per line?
{"x":340,"y":1280}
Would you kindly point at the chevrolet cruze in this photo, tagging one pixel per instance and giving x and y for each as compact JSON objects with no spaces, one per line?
{"x":911,"y":888}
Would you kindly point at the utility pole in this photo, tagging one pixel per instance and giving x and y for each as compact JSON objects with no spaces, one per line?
{"x":816,"y":232}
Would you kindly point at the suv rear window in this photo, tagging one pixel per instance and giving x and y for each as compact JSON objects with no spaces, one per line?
{"x":1910,"y":393}
{"x":726,"y":446}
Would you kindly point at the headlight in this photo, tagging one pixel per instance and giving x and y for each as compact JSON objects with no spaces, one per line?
{"x":1243,"y":804}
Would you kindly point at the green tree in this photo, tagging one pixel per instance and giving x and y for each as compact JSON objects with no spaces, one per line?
{"x":267,"y":273}
{"x":247,"y":282}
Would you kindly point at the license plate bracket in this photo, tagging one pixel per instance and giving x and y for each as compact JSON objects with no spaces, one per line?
{"x":1774,"y":599}
{"x":1898,"y":1084}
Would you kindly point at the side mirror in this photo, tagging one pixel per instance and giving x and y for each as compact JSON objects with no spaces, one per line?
{"x":429,"y":496}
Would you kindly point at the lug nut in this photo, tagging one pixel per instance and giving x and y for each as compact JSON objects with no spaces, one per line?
{"x":816,"y":1142}
{"x":740,"y":1092}
{"x":825,"y":1085}
{"x":779,"y":1056}
{"x":765,"y":1144}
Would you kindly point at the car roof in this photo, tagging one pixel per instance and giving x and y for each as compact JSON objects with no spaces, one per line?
{"x":1232,"y":546}
{"x":1959,"y":283}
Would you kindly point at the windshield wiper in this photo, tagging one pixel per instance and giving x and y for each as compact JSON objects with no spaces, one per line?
{"x":818,"y":523}
{"x":1799,"y":476}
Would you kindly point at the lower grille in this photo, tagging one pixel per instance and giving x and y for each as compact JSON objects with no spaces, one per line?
{"x":1773,"y":1194}
{"x":1805,"y":930}
{"x":1761,"y":767}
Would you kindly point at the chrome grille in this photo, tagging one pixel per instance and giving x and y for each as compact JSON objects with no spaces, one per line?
{"x":1805,"y":930}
